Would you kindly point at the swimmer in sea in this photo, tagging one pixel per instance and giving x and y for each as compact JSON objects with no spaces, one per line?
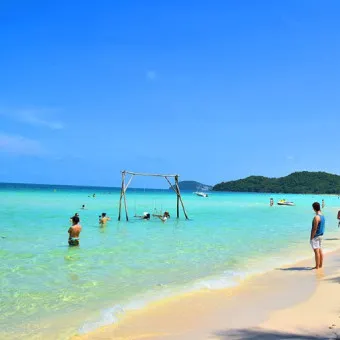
{"x":83,"y":206}
{"x":103,"y":218}
{"x":74,"y":231}
{"x":75,"y":215}
{"x":163,"y":217}
{"x":146,"y":216}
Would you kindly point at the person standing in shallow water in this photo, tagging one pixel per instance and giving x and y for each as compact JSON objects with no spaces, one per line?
{"x":71,"y":218}
{"x":74,"y":231}
{"x":103,"y":219}
{"x":318,"y":229}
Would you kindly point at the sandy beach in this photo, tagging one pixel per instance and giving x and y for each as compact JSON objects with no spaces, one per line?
{"x":289,"y":302}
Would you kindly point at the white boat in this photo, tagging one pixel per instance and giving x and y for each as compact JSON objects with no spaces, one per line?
{"x":284,"y":202}
{"x":202,"y":194}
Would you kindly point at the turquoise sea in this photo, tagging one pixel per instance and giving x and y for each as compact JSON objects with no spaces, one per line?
{"x":49,"y":290}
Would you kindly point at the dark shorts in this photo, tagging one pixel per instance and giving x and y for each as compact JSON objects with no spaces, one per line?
{"x":73,"y":242}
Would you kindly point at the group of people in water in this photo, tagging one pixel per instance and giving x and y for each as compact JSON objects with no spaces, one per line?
{"x":147,"y":216}
{"x":317,"y":231}
{"x":75,"y":229}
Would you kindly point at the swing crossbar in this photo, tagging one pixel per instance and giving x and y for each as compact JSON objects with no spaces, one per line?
{"x":146,"y":174}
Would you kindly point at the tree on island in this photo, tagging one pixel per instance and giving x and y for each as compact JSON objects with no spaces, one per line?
{"x":304,"y":182}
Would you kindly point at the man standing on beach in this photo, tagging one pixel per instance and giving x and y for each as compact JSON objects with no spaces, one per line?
{"x":318,"y":228}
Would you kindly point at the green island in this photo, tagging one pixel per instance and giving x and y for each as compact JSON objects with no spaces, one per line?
{"x":194,"y":186}
{"x":303,"y":182}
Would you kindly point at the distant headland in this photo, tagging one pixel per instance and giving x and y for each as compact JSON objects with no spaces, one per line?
{"x":194,"y":186}
{"x":303,"y":182}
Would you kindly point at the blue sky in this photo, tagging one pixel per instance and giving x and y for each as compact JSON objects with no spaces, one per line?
{"x":212,"y":90}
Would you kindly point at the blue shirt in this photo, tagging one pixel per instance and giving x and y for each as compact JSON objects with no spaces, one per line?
{"x":321,"y":226}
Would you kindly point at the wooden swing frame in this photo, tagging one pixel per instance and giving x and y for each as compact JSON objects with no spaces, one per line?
{"x":174,"y":187}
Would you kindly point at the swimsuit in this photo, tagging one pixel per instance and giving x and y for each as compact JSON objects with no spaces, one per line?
{"x":73,"y":241}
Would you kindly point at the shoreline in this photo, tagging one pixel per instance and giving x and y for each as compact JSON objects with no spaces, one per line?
{"x":207,"y":284}
{"x":118,"y":188}
{"x":177,"y":317}
{"x":114,"y":273}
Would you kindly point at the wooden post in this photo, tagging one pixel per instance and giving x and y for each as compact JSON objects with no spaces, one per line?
{"x":121,"y":195}
{"x":126,"y":209}
{"x":180,"y":199}
{"x":176,"y":184}
{"x":125,"y":204}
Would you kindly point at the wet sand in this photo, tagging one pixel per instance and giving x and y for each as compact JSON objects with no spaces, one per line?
{"x":290,"y":302}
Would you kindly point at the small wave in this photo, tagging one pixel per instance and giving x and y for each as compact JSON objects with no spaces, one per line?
{"x":108,"y":317}
{"x":227,"y":279}
{"x":112,"y":315}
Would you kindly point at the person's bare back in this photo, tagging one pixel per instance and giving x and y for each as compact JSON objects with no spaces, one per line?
{"x":74,"y":232}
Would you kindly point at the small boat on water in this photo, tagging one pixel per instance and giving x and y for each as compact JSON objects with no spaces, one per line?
{"x":284,"y":202}
{"x":202,"y":194}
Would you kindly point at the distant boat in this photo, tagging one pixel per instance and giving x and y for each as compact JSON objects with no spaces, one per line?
{"x":200,"y":193}
{"x":284,"y":202}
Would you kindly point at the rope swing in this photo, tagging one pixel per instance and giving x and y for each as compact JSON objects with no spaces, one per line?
{"x":124,"y":188}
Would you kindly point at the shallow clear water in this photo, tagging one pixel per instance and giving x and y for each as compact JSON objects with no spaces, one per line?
{"x":49,"y":288}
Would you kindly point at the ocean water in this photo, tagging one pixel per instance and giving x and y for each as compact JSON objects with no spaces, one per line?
{"x":49,"y":290}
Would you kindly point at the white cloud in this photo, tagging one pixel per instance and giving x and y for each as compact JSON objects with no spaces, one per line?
{"x":39,"y":118}
{"x":34,"y":117}
{"x":151,"y":75}
{"x":19,"y":145}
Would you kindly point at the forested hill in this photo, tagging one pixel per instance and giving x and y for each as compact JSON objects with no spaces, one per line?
{"x":298,"y":182}
{"x":193,"y":186}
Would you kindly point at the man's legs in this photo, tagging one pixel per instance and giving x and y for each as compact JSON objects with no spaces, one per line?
{"x":321,"y":257}
{"x":317,"y":258}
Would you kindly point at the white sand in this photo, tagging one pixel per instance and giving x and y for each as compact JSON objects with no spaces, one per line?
{"x":287,"y":303}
